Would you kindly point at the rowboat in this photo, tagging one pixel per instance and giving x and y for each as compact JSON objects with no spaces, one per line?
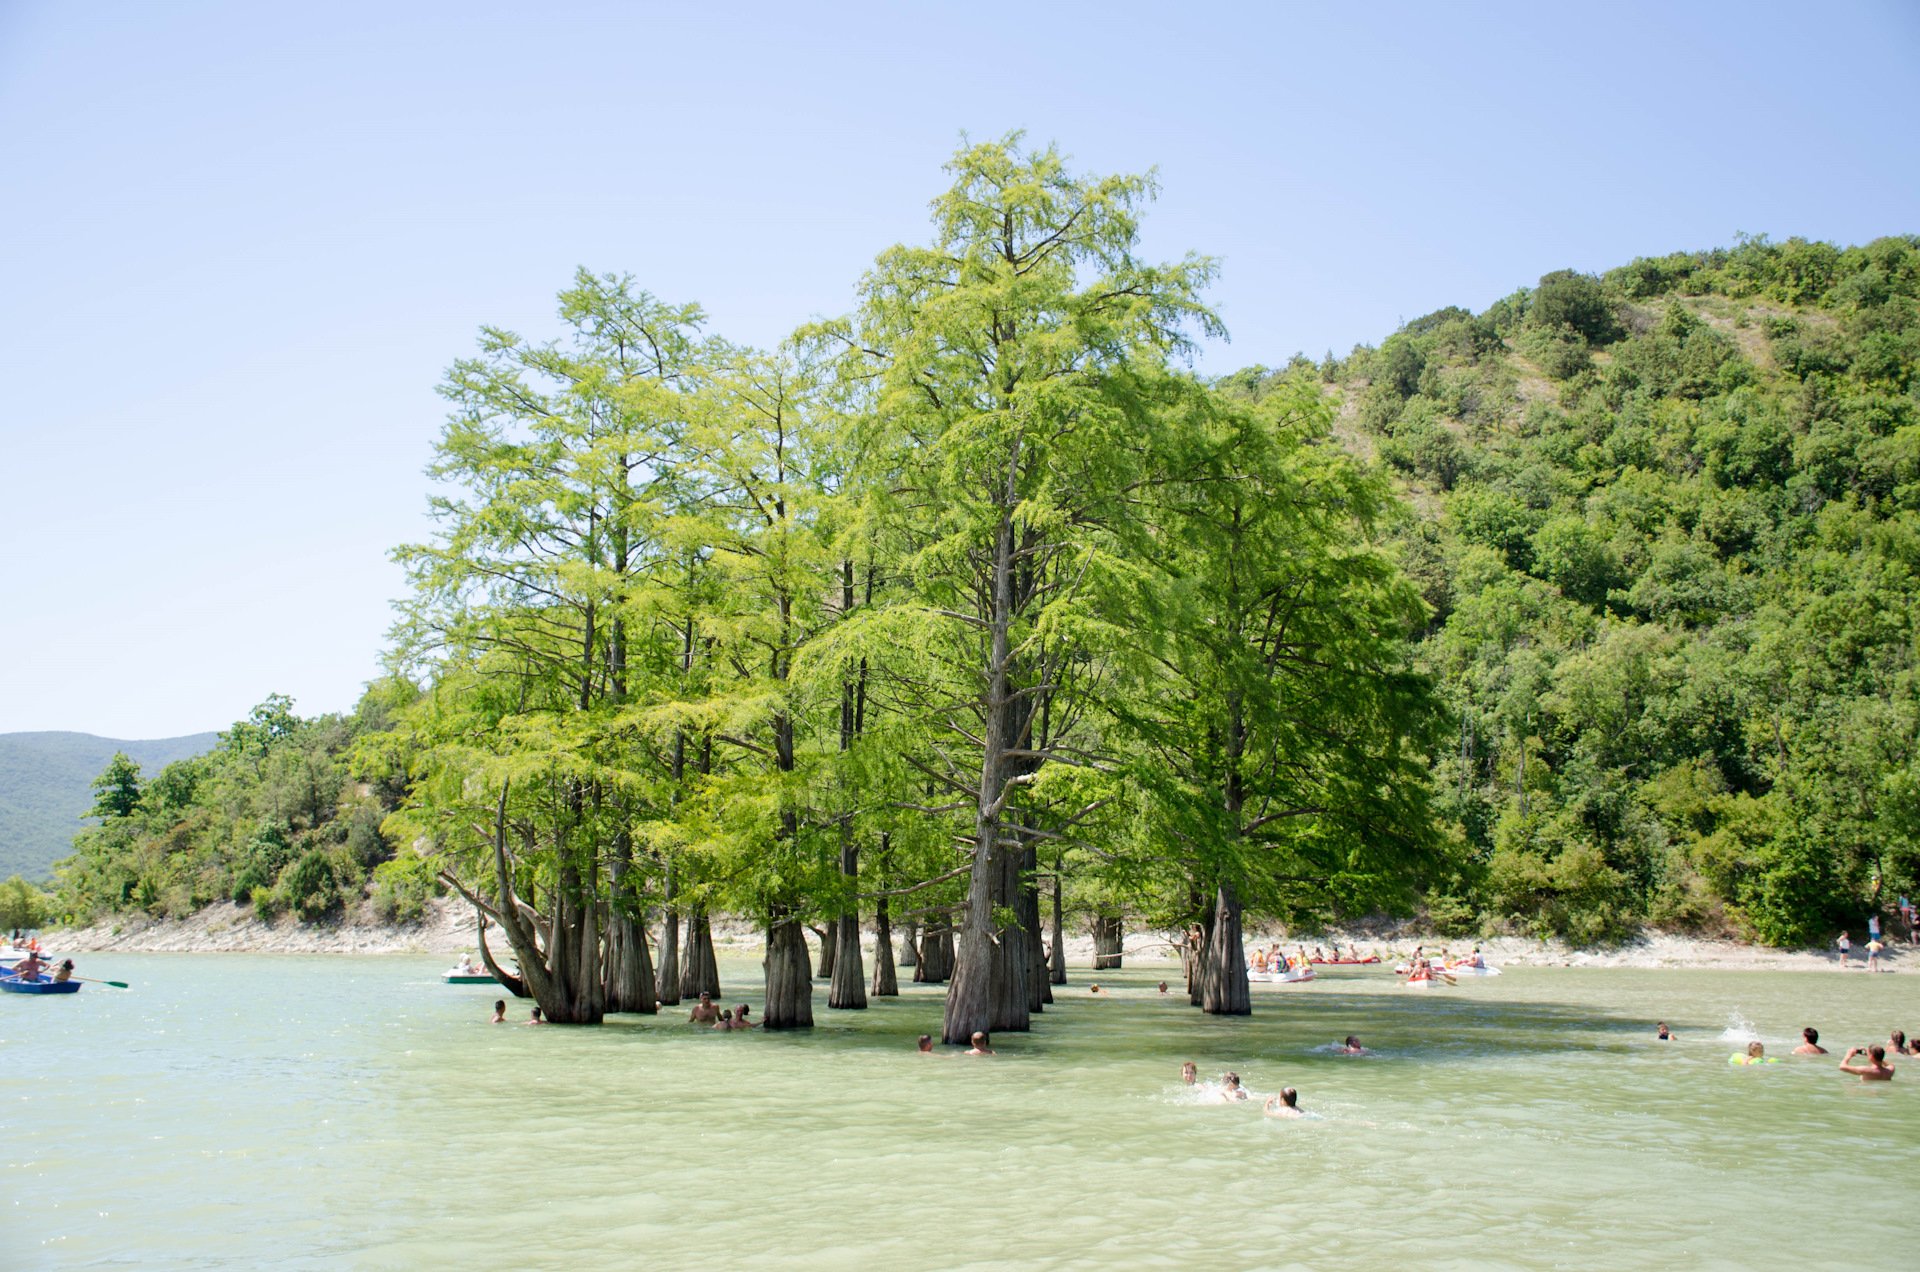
{"x":470,"y":978}
{"x":38,"y":985}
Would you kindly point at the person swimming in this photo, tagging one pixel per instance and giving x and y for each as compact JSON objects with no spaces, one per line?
{"x":1662,"y":1033}
{"x":1230,"y":1088}
{"x":536,"y":1018}
{"x":1285,"y":1104}
{"x":1875,"y":1070}
{"x":1756,"y":1054}
{"x":1810,"y":1043}
{"x":924,"y":1044}
{"x":1189,"y":1073}
{"x":979,"y":1047}
{"x":1352,"y":1047}
{"x":499,"y":1012}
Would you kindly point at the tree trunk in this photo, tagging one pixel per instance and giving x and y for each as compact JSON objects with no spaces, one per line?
{"x":789,"y":975}
{"x":669,"y":978}
{"x":1057,"y":963}
{"x":886,"y":982}
{"x":1039,"y":990}
{"x":936,"y":951}
{"x":1223,"y":978}
{"x":630,"y":979}
{"x":829,"y":945}
{"x":909,"y":945}
{"x":700,"y":974}
{"x":1108,"y":936}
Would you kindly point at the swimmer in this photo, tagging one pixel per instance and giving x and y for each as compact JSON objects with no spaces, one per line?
{"x":1189,"y":1073}
{"x":1756,"y":1054}
{"x":1230,"y":1088}
{"x":1811,"y":1044}
{"x":1095,"y":989}
{"x":499,"y":1012}
{"x":1663,"y":1035}
{"x":740,"y":1020}
{"x":979,"y":1047}
{"x":924,"y":1045}
{"x":1163,"y":987}
{"x":1352,"y":1047}
{"x":1875,"y":1070}
{"x":535,"y":1019}
{"x":1285,"y":1104}
{"x":1896,"y":1042}
{"x":704,"y":1012}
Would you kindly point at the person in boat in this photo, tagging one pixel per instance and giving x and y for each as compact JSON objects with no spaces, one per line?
{"x":1419,"y":970}
{"x":1260,"y":961}
{"x":1319,"y":955}
{"x":1875,"y":1070}
{"x":1809,"y":1043}
{"x":64,"y":972}
{"x":1474,"y":959}
{"x":1189,"y":1073}
{"x":1230,"y":1088}
{"x":535,"y":1018}
{"x":924,"y":1044}
{"x":465,"y":966}
{"x":1285,"y":1104}
{"x":1352,"y":1047}
{"x":499,"y":1012}
{"x":979,"y":1047}
{"x":30,"y":967}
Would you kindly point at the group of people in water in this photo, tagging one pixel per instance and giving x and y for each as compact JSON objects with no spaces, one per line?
{"x":1874,"y":1068}
{"x":1285,"y":1103}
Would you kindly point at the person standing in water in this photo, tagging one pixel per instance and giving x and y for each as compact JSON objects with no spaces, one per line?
{"x":704,"y":1012}
{"x":536,"y":1018}
{"x":1875,"y":1070}
{"x":1810,"y":1044}
{"x":979,"y":1047}
{"x":925,"y":1045}
{"x":1285,"y":1104}
{"x":499,"y":1012}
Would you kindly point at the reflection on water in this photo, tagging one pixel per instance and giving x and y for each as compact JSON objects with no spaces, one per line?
{"x":302,"y":1112}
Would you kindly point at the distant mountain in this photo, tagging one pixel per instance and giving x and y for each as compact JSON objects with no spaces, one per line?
{"x":46,"y":788}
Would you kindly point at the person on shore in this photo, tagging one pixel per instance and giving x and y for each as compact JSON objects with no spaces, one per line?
{"x":1189,"y":1073}
{"x":1662,"y":1032}
{"x":1845,"y":947}
{"x":1756,"y":1054}
{"x":1285,"y":1104}
{"x":704,"y":1012}
{"x":1873,"y":954}
{"x":1230,"y":1088}
{"x":1875,"y":1070}
{"x":499,"y":1012}
{"x":979,"y":1047}
{"x":1873,"y":927}
{"x":1352,"y":1047}
{"x":1810,"y":1043}
{"x":536,"y":1018}
{"x":924,"y":1045}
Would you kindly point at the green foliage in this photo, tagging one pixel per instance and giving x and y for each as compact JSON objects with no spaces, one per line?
{"x":1681,"y":596}
{"x":402,"y":887}
{"x":22,"y":906}
{"x":116,"y":792}
{"x":310,"y":886}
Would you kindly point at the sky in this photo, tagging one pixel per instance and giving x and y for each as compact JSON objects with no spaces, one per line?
{"x":240,"y":243}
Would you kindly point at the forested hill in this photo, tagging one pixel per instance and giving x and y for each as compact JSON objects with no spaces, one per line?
{"x":1668,"y":520}
{"x":46,"y":788}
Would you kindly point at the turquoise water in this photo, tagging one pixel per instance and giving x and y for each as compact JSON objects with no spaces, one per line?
{"x":254,"y":1111}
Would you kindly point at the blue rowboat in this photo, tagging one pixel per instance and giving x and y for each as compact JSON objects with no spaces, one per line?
{"x":38,"y":985}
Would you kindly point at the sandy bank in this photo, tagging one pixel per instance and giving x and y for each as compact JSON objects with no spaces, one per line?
{"x":449,"y":929}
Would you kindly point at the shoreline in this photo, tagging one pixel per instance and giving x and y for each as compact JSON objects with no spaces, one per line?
{"x":448,"y":928}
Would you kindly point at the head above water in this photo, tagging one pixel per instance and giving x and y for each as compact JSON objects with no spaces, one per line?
{"x":1231,"y":1081}
{"x":1352,"y":1040}
{"x":925,"y":1042}
{"x":979,"y":1038}
{"x":1878,"y":1052}
{"x":1756,"y":1049}
{"x":706,"y":996}
{"x":1289,"y":1097}
{"x":1189,"y":1073}
{"x":1810,"y":1034}
{"x":1898,"y":1039}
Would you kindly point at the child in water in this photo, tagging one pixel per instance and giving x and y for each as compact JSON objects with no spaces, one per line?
{"x":1756,"y":1054}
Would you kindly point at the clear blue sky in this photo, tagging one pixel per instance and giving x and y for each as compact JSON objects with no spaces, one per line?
{"x":240,"y":242}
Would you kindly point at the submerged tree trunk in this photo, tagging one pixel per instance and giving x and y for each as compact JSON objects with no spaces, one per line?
{"x":910,"y":945}
{"x":700,"y":974}
{"x":1039,"y":989}
{"x":630,"y":979}
{"x":936,"y":951}
{"x":1108,"y":936}
{"x":789,"y":975}
{"x":886,"y":983}
{"x":1057,"y":962}
{"x":829,"y":945}
{"x":1223,"y":976}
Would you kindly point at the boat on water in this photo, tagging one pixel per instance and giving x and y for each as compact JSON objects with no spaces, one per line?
{"x":37,"y":985}
{"x":1292,"y":976}
{"x":1345,"y":962}
{"x":458,"y":977}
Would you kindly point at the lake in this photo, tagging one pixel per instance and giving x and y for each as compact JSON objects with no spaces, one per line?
{"x":296,"y":1112}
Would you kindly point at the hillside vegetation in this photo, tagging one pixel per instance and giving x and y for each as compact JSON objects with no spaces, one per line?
{"x":44,"y":789}
{"x":1668,"y":521}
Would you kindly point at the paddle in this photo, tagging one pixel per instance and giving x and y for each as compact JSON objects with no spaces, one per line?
{"x":92,"y":981}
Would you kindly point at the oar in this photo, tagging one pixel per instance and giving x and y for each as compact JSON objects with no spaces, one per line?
{"x":92,"y":981}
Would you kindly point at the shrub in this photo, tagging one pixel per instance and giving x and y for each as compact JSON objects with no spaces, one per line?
{"x":310,"y":887}
{"x":402,"y":887}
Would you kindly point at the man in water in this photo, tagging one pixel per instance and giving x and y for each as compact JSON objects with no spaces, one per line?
{"x":1352,"y":1047}
{"x":704,"y":1012}
{"x":1875,"y":1070}
{"x":499,"y":1012}
{"x":979,"y":1047}
{"x":925,"y":1045}
{"x":1285,"y":1104}
{"x":1163,"y":987}
{"x":738,"y":1021}
{"x":1663,"y":1035}
{"x":1811,"y":1046}
{"x":536,"y":1018}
